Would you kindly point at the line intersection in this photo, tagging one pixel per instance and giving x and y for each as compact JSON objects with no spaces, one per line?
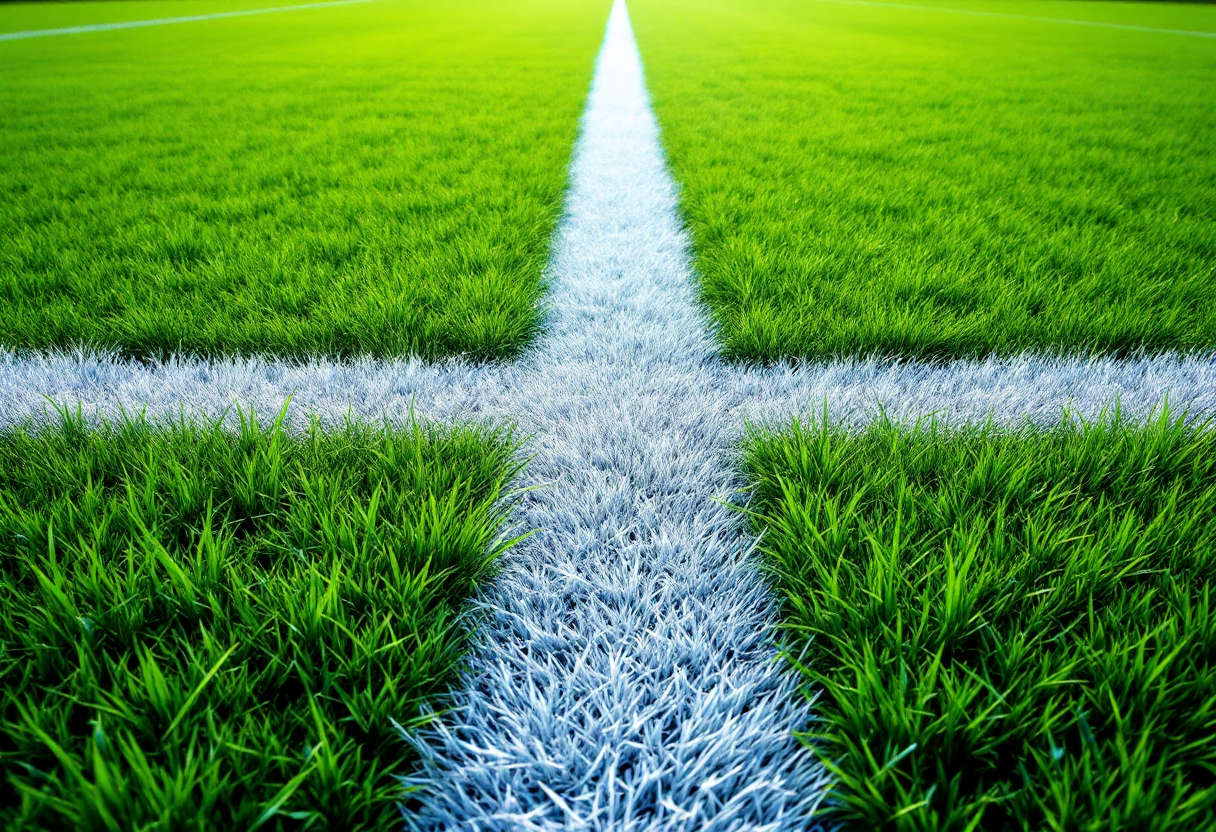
{"x":624,"y":675}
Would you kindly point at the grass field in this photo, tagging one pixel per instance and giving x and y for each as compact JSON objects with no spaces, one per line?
{"x":375,"y":179}
{"x":33,"y":16}
{"x":860,"y":179}
{"x":1011,"y":630}
{"x":204,"y":630}
{"x":223,"y":625}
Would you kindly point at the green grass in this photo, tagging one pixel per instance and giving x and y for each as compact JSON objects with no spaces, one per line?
{"x":905,"y":182}
{"x":56,"y":14}
{"x":377,"y":179}
{"x":1011,"y":630}
{"x":203,"y":629}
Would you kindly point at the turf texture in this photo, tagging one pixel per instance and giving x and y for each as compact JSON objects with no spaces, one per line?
{"x":864,"y":179}
{"x":41,"y":15}
{"x":376,"y":179}
{"x":1011,"y":630}
{"x":205,"y":628}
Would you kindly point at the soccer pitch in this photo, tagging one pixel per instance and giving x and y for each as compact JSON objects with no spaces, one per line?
{"x":873,"y":178}
{"x":27,"y":17}
{"x":522,"y":498}
{"x":1011,"y":629}
{"x":200,"y":627}
{"x":374,"y":179}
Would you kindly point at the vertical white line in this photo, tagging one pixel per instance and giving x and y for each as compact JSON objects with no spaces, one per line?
{"x":624,"y":677}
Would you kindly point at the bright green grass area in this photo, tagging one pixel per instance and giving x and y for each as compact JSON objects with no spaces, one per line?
{"x":21,"y":17}
{"x":377,"y":179}
{"x":861,"y":179}
{"x":204,"y":629}
{"x":1010,"y":630}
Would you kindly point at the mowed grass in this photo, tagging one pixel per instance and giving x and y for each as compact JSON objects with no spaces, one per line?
{"x":906,"y":182}
{"x":376,"y":179}
{"x":39,"y":14}
{"x":204,"y":629}
{"x":1011,"y":630}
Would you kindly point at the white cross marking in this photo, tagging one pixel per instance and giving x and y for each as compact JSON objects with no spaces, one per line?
{"x":624,"y":677}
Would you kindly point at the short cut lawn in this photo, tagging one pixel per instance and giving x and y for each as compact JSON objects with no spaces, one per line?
{"x":379,"y":179}
{"x":861,"y":179}
{"x":35,"y":15}
{"x":205,"y":628}
{"x":1010,"y":630}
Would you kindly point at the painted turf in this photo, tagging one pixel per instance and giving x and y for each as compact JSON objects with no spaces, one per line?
{"x":623,"y":677}
{"x":162,"y":21}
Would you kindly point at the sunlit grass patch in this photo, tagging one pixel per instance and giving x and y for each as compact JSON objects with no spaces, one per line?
{"x":865,"y":179}
{"x":374,"y":179}
{"x":1010,"y":630}
{"x":36,"y":15}
{"x":204,"y":629}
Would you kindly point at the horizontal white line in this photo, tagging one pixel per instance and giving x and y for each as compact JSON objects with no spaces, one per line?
{"x":1010,"y":390}
{"x":1101,"y":24}
{"x":161,"y":21}
{"x":623,"y":675}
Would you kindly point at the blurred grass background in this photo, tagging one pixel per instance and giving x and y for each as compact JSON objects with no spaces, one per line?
{"x":866,"y":179}
{"x":375,"y":179}
{"x":29,"y":15}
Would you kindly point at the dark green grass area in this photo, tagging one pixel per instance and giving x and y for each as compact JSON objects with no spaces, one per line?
{"x":202,"y":629}
{"x":861,"y":179}
{"x":1010,"y":630}
{"x":376,"y":179}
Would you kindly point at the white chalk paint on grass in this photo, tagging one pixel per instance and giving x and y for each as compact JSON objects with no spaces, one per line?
{"x":624,"y":675}
{"x":1010,"y":391}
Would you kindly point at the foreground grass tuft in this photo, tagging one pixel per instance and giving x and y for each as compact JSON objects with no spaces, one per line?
{"x":202,"y":629}
{"x":1009,"y":630}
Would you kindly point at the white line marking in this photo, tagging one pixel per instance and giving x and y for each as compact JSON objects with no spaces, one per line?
{"x":162,"y":21}
{"x":977,"y":13}
{"x":1008,"y":390}
{"x":623,"y":677}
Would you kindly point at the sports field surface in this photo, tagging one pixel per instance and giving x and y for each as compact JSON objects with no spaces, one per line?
{"x":874,"y":178}
{"x":370,"y":179}
{"x":23,"y":19}
{"x":205,"y":628}
{"x":1020,"y":537}
{"x":1010,"y":629}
